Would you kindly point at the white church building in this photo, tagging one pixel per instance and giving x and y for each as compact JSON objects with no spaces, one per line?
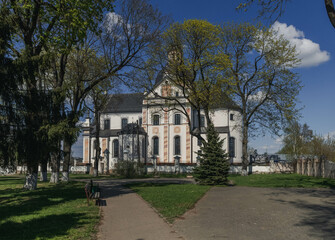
{"x":143,"y":127}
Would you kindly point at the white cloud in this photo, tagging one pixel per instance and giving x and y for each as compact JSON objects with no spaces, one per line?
{"x":259,"y":96}
{"x":279,"y":140}
{"x":113,"y":18}
{"x":330,"y":134}
{"x":309,"y":51}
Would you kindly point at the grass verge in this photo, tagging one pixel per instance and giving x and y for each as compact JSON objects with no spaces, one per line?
{"x":282,"y":180}
{"x":170,"y":200}
{"x":50,"y":212}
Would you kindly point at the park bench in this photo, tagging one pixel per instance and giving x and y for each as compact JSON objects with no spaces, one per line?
{"x":92,"y":192}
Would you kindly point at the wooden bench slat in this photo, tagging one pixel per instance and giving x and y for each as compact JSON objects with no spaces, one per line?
{"x":92,"y":192}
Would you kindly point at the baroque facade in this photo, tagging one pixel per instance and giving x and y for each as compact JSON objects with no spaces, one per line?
{"x":142,"y":126}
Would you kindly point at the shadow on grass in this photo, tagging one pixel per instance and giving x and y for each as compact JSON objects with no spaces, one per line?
{"x":119,"y":187}
{"x":41,"y":228}
{"x":15,"y":202}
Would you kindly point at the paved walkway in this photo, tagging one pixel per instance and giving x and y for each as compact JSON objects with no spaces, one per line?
{"x":224,"y":213}
{"x":261,"y":213}
{"x":127,"y":216}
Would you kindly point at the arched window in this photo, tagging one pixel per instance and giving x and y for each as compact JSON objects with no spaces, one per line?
{"x":177,"y":119}
{"x":177,"y":145}
{"x":155,"y":119}
{"x":155,"y":144}
{"x":115,"y":148}
{"x":231,"y":147}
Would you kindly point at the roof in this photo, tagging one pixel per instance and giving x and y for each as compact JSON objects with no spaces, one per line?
{"x":217,"y":129}
{"x":124,"y":103}
{"x":133,"y":128}
{"x":160,"y":77}
{"x":106,"y":132}
{"x":225,"y":102}
{"x":222,"y":129}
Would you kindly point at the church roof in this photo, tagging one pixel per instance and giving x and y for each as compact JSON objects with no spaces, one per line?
{"x":124,"y":103}
{"x":133,"y":128}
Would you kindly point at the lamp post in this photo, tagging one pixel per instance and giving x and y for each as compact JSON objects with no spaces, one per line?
{"x":177,"y":163}
{"x":106,"y":153}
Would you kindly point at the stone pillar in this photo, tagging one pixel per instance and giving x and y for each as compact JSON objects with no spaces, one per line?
{"x":304,"y":167}
{"x":323,"y":170}
{"x":309,"y":167}
{"x":317,"y":167}
{"x":299,"y":166}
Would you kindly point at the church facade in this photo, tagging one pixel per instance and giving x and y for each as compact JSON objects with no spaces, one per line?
{"x":143,"y":127}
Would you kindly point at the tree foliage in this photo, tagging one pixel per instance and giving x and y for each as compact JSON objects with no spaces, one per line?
{"x":43,"y":37}
{"x":40,"y":28}
{"x":214,"y":162}
{"x":263,"y":83}
{"x":296,"y":139}
{"x":121,"y":46}
{"x":299,"y":141}
{"x":190,"y":59}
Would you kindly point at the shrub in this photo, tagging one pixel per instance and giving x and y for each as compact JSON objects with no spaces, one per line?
{"x":129,"y":169}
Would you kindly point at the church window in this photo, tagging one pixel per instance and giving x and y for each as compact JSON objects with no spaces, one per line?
{"x":177,"y":145}
{"x":155,"y":145}
{"x":156,"y":119}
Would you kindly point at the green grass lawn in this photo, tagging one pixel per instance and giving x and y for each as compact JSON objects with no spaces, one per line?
{"x":282,"y":180}
{"x":162,"y":175}
{"x":170,"y":200}
{"x":50,"y":212}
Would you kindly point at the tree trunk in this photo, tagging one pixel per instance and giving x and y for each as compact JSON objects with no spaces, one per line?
{"x":330,"y":11}
{"x":31,"y":181}
{"x":97,"y":143}
{"x":32,"y":173}
{"x":67,"y":158}
{"x":95,"y":172}
{"x":55,"y":165}
{"x":107,"y":163}
{"x":33,"y":155}
{"x":245,"y":161}
{"x":43,"y":176}
{"x":44,"y":171}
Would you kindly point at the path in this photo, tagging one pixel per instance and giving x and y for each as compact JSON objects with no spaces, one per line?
{"x":224,"y":213}
{"x":261,"y":213}
{"x":127,"y":216}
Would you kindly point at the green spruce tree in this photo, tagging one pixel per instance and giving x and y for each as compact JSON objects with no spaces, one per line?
{"x":214,"y":161}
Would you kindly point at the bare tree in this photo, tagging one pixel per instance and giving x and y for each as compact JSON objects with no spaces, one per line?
{"x":273,"y":9}
{"x":98,"y":98}
{"x":189,"y":61}
{"x":263,"y":83}
{"x":126,"y":34}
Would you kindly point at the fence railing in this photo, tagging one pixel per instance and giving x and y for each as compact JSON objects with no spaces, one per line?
{"x":315,"y":167}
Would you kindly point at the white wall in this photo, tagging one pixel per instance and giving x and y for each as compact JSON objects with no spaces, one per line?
{"x":115,"y":119}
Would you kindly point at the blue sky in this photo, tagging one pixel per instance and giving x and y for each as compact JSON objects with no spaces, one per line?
{"x":306,"y":24}
{"x":307,"y":20}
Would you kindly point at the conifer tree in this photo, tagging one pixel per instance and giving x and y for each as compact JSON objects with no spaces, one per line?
{"x":214,"y":161}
